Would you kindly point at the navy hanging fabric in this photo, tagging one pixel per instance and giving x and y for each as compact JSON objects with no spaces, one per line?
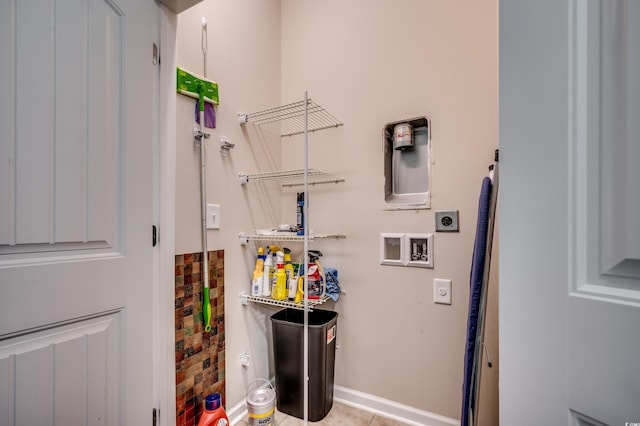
{"x":475,"y":291}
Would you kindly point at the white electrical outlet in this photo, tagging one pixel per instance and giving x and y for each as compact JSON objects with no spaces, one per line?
{"x":213,"y":216}
{"x":442,"y":291}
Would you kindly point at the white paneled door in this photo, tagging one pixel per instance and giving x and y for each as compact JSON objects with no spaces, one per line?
{"x":76,"y":206}
{"x":570,"y":212}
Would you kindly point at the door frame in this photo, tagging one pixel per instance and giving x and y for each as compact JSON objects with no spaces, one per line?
{"x":164,"y":387}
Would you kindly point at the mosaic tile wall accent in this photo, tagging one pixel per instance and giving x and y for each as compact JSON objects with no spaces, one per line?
{"x":200,"y":356}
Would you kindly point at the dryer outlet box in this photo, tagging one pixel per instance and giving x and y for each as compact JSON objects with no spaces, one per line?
{"x":447,"y":221}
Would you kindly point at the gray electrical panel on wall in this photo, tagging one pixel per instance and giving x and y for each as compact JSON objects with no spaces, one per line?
{"x":407,"y":158}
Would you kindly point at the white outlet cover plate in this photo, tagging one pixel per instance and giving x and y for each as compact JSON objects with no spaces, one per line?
{"x":442,"y":291}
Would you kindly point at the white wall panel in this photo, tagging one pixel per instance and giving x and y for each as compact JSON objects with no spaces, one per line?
{"x":34,"y":123}
{"x":619,"y":138}
{"x":105,"y":121}
{"x":33,"y":377}
{"x":71,"y":370}
{"x":62,"y":289}
{"x":101,"y":351}
{"x":607,"y":151}
{"x":603,"y":310}
{"x":70,"y":189}
{"x":62,"y":125}
{"x":70,"y":389}
{"x":7,"y":120}
{"x":632,"y":35}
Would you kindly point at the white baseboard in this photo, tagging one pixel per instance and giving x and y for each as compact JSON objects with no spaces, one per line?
{"x":237,"y":413}
{"x":371,"y":403}
{"x":390,"y":409}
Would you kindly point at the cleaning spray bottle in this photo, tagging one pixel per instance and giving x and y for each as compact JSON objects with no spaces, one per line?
{"x":292,"y":281}
{"x":315,"y":276}
{"x":279,"y":289}
{"x":258,"y":274}
{"x":268,"y":275}
{"x":269,"y":263}
{"x":213,"y":413}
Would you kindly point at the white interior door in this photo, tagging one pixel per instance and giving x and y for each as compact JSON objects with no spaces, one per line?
{"x":570,"y":212}
{"x":76,"y":204}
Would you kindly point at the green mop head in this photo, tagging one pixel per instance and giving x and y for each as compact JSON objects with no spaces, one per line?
{"x":193,"y":85}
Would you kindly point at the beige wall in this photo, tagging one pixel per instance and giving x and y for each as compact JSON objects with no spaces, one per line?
{"x":368,"y":63}
{"x":244,"y":58}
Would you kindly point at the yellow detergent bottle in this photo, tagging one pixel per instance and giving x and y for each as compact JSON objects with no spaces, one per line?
{"x":258,"y":274}
{"x":300,"y":290}
{"x":279,"y":291}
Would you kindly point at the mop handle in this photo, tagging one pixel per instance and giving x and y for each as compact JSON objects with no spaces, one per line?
{"x":204,"y":44}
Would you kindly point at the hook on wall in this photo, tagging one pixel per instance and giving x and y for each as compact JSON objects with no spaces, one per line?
{"x":225,"y":145}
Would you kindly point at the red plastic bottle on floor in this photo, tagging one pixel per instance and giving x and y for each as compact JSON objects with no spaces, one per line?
{"x":213,"y":414}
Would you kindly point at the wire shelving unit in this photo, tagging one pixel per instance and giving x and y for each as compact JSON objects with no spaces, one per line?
{"x":289,"y":120}
{"x":295,"y":118}
{"x":290,"y":178}
{"x":281,"y":236}
{"x":245,"y":298}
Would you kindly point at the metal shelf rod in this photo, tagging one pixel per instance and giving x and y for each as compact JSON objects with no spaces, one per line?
{"x":315,"y":182}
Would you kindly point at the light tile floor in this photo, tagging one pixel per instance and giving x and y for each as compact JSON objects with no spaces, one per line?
{"x":340,"y":415}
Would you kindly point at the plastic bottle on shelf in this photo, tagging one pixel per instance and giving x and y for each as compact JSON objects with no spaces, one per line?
{"x":213,"y":413}
{"x":300,"y":287}
{"x":279,"y":277}
{"x":268,"y":275}
{"x":292,"y":281}
{"x":279,"y":283}
{"x":300,"y":213}
{"x":279,"y":257}
{"x":315,"y":276}
{"x":258,"y":274}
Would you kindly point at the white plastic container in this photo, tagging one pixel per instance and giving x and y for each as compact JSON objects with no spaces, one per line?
{"x":258,"y":274}
{"x":260,"y":399}
{"x":268,"y":276}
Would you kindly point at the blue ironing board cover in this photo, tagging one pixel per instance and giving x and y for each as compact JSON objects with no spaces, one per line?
{"x":477,"y":274}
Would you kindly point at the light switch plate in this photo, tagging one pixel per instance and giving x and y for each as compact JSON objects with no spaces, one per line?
{"x":447,"y":221}
{"x":213,"y":216}
{"x":442,"y":291}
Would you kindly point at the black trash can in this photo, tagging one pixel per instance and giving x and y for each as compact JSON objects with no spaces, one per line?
{"x":288,"y":352}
